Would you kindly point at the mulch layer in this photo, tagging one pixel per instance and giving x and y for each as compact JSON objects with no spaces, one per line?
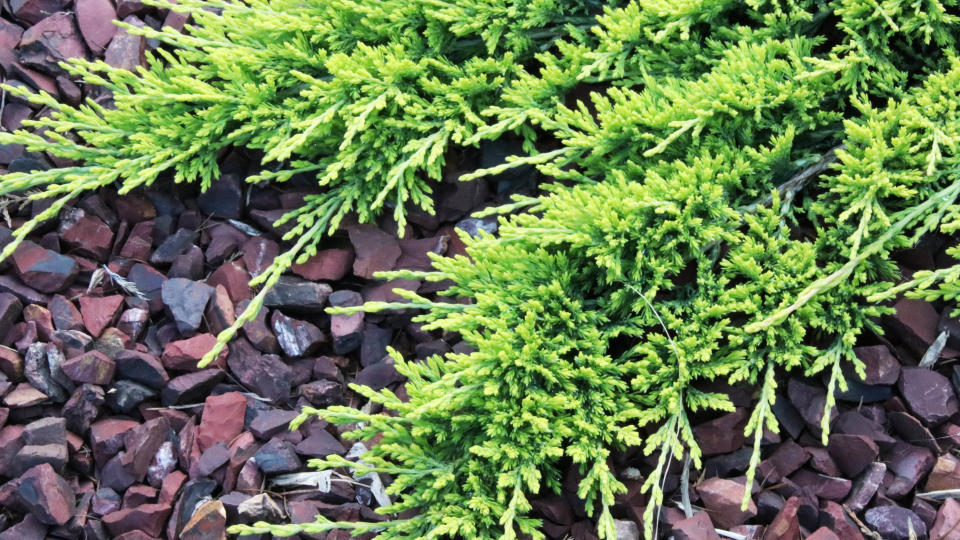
{"x":108,"y":429}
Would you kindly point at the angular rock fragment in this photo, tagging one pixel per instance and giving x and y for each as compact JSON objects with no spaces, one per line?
{"x":142,"y":368}
{"x":91,"y":367}
{"x":47,"y":495}
{"x":928,"y":394}
{"x":722,"y":499}
{"x":327,"y":265}
{"x":222,"y":419}
{"x":375,"y":250}
{"x":186,"y":301}
{"x":297,"y":338}
{"x":298,"y":295}
{"x":895,"y":523}
{"x":46,"y":271}
{"x":95,"y":19}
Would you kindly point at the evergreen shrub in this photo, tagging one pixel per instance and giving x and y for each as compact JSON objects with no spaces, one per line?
{"x":725,"y":206}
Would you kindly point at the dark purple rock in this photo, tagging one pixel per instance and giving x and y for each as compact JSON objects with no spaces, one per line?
{"x":322,"y":393}
{"x":173,"y":246}
{"x":142,"y":443}
{"x":379,"y":375}
{"x":854,"y":423}
{"x":909,"y":463}
{"x":928,"y":394}
{"x":880,"y":365}
{"x":865,"y":487}
{"x":296,"y":338}
{"x":375,"y":250}
{"x":264,"y":374}
{"x":270,"y":422}
{"x":852,"y":453}
{"x":277,"y":456}
{"x":126,"y":395}
{"x":10,"y":310}
{"x":142,"y":368}
{"x":894,"y":523}
{"x":38,"y":371}
{"x":298,"y":295}
{"x":212,"y":459}
{"x":788,"y":457}
{"x":149,"y":282}
{"x":223,"y":199}
{"x":190,"y":388}
{"x":186,"y":301}
{"x":320,"y":444}
{"x":82,"y":408}
{"x":188,"y":265}
{"x":809,"y":400}
{"x":910,"y":428}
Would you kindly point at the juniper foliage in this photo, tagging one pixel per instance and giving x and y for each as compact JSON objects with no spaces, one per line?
{"x":726,"y":204}
{"x":669,"y":256}
{"x":365,"y":95}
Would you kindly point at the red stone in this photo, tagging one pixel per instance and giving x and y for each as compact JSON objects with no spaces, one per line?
{"x":95,"y":19}
{"x":233,"y":278}
{"x":697,"y":527}
{"x":785,"y":525}
{"x":209,"y":522}
{"x":45,"y":270}
{"x":823,"y":533}
{"x":327,"y":265}
{"x":47,"y":495}
{"x":100,"y":312}
{"x":945,"y":474}
{"x":183,"y":355}
{"x":126,"y":50}
{"x":51,"y":40}
{"x":171,"y":487}
{"x":947,"y":524}
{"x":220,"y":313}
{"x":222,"y":419}
{"x":723,"y":499}
{"x":24,"y":395}
{"x":375,"y":250}
{"x":142,"y":443}
{"x":65,"y":315}
{"x":139,"y":242}
{"x":92,"y":367}
{"x":86,"y":234}
{"x":149,"y":518}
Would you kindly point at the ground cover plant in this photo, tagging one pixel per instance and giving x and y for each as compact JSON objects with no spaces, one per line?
{"x":725,"y":206}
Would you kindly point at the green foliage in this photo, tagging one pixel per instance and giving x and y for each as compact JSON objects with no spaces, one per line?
{"x":727,"y":199}
{"x":367,"y":96}
{"x":669,"y":256}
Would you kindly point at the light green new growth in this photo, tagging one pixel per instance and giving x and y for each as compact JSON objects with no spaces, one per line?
{"x":731,"y":180}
